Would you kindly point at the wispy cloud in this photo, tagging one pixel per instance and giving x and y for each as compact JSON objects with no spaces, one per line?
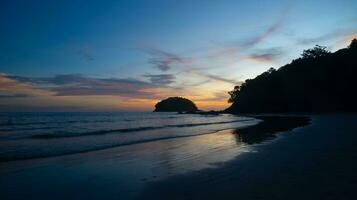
{"x":199,"y":61}
{"x":269,"y":31}
{"x":216,"y":96}
{"x":80,"y":92}
{"x":161,"y":79}
{"x":265,"y":55}
{"x":213,"y":77}
{"x":337,"y":34}
{"x":11,"y":86}
{"x":80,"y":85}
{"x":16,"y":95}
{"x":164,"y":60}
{"x":236,"y":51}
{"x":185,"y":84}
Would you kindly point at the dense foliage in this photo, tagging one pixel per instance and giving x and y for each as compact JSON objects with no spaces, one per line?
{"x":318,"y":81}
{"x":175,"y":104}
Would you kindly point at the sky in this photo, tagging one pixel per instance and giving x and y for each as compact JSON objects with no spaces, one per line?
{"x":83,"y":55}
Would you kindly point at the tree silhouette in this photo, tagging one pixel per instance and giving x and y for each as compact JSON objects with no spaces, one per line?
{"x":353,"y":44}
{"x":318,"y":81}
{"x":175,"y":104}
{"x":315,"y":52}
{"x":233,"y":94}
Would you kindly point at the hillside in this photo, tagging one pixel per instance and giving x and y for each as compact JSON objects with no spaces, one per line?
{"x":319,"y":81}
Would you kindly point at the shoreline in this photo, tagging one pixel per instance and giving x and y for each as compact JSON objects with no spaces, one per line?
{"x":133,"y":167}
{"x":316,"y":162}
{"x":266,"y":119}
{"x":245,"y":123}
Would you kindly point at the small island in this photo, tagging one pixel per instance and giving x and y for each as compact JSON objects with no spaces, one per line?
{"x":175,"y":104}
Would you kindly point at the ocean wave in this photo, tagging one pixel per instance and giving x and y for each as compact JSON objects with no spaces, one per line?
{"x":27,"y":128}
{"x":5,"y":156}
{"x":13,"y":125}
{"x":125,"y":130}
{"x":12,"y":157}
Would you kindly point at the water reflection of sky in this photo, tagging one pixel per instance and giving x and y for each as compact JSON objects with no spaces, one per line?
{"x":125,"y":171}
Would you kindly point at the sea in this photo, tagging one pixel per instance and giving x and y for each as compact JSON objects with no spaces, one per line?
{"x":32,"y":135}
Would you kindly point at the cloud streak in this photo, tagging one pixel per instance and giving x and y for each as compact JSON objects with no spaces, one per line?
{"x":213,"y":77}
{"x":16,"y":95}
{"x":164,"y":60}
{"x":221,"y":55}
{"x":328,"y":36}
{"x":80,"y":85}
{"x":266,"y":33}
{"x":161,"y":79}
{"x":89,"y":93}
{"x":266,"y":55}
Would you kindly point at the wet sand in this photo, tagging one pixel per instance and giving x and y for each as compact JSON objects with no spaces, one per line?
{"x":312,"y":162}
{"x":315,"y":162}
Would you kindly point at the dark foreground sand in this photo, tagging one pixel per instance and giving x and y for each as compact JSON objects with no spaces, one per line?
{"x":317,"y":161}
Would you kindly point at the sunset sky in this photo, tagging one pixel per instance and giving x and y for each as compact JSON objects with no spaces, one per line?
{"x":126,"y":55}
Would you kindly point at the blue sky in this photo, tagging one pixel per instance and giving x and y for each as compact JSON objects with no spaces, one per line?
{"x":166,"y":47}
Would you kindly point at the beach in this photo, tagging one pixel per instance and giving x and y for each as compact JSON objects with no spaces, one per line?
{"x":178,"y":100}
{"x":308,"y":159}
{"x":314,"y":162}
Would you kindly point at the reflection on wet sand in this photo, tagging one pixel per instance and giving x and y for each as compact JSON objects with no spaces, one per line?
{"x":268,"y":128}
{"x":124,"y":171}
